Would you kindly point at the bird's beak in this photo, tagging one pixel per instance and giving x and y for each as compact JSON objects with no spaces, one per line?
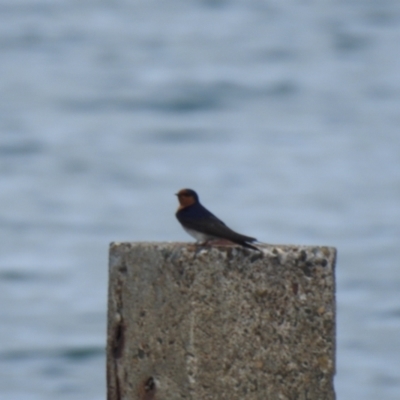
{"x":176,"y":194}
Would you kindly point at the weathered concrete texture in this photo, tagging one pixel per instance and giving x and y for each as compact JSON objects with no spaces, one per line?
{"x":220,"y":323}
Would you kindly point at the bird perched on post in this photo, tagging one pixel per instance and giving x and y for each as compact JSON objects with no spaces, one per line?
{"x":203,"y":225}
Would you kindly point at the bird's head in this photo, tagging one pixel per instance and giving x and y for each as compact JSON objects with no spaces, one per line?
{"x":187,"y":197}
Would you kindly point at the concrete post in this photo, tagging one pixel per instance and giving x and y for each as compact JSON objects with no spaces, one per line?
{"x":220,"y":323}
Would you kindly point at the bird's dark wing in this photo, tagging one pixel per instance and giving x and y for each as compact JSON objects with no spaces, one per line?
{"x":198,"y":218}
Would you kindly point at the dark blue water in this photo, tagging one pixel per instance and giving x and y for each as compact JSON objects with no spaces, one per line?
{"x":284,"y":116}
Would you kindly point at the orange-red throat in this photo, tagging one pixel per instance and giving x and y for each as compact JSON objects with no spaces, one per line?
{"x":186,"y":198}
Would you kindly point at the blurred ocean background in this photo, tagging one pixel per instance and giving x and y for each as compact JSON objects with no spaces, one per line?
{"x":283,"y":115}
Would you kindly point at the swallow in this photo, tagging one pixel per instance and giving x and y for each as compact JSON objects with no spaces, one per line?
{"x":204,"y":226}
